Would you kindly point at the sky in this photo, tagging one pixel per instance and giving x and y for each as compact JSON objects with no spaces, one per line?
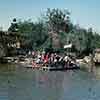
{"x":83,"y":12}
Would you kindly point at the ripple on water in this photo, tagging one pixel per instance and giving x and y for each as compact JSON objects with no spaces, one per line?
{"x":24,"y":84}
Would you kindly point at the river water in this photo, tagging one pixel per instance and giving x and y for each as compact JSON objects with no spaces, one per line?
{"x":18,"y":83}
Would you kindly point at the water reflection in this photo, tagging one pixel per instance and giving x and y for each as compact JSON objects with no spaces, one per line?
{"x":38,"y":85}
{"x":18,"y":83}
{"x":82,"y":86}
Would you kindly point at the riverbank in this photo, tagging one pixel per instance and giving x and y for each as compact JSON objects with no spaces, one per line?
{"x":27,"y":61}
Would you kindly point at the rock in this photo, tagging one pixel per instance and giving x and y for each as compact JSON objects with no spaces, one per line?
{"x":97,"y":57}
{"x":87,"y":59}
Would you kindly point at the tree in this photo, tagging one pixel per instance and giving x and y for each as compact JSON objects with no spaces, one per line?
{"x":3,"y":44}
{"x":14,"y":26}
{"x":58,"y":22}
{"x":32,"y":35}
{"x":90,"y":41}
{"x":54,"y":31}
{"x":97,"y":40}
{"x":2,"y":49}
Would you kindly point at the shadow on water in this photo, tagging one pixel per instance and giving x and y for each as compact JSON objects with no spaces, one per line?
{"x":18,"y":83}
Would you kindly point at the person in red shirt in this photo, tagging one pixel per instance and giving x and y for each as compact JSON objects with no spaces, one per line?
{"x":46,"y":59}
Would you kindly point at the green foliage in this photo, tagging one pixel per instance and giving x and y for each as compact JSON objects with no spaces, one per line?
{"x":97,"y":40}
{"x":37,"y":35}
{"x":33,"y":35}
{"x":57,"y":19}
{"x":84,"y":41}
{"x":3,"y":44}
{"x":14,"y":26}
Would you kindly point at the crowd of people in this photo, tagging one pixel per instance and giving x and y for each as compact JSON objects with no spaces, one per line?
{"x":52,"y":60}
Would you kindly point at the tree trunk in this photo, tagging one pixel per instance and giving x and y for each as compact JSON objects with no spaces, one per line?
{"x":55,"y":40}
